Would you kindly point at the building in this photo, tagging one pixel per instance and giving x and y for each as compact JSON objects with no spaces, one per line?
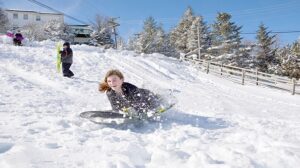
{"x":20,"y":18}
{"x":82,"y":33}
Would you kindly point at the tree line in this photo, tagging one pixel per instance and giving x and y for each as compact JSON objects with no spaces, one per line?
{"x":219,"y":42}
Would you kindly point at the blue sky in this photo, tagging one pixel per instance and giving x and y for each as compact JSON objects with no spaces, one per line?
{"x":278,"y":15}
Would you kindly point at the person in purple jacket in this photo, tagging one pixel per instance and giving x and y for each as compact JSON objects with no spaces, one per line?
{"x":18,"y":38}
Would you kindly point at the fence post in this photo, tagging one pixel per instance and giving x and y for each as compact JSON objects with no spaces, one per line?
{"x":207,"y":68}
{"x":182,"y":57}
{"x":243,"y":77}
{"x":222,"y":69}
{"x":275,"y":80}
{"x":256,"y":73}
{"x":294,"y":86}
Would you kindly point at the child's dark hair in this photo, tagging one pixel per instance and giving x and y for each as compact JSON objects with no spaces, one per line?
{"x":66,"y":44}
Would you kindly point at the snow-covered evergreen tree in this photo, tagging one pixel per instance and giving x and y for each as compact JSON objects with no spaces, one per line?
{"x":159,"y":39}
{"x":121,"y":44}
{"x":53,"y":30}
{"x":179,"y":35}
{"x":146,"y":42}
{"x":226,"y":39}
{"x":34,"y":32}
{"x":296,"y":61}
{"x":152,"y":39}
{"x":102,"y":34}
{"x":289,"y":57}
{"x":184,"y":37}
{"x":132,"y":42}
{"x":296,"y":49}
{"x":163,"y":44}
{"x":198,"y":26}
{"x":244,"y":59}
{"x":266,"y":58}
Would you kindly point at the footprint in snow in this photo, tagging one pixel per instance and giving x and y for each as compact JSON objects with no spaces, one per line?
{"x":52,"y":145}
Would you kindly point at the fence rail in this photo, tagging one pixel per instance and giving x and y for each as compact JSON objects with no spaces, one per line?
{"x":247,"y":75}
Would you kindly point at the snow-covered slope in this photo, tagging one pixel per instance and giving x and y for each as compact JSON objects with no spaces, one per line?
{"x":216,"y":123}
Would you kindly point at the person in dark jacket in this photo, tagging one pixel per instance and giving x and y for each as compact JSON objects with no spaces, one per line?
{"x":125,"y":96}
{"x":67,"y":59}
{"x":18,"y":39}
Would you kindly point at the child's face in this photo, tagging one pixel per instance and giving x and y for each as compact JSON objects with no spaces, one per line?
{"x":65,"y":46}
{"x":114,"y":82}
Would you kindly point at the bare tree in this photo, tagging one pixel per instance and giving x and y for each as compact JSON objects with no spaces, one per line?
{"x":33,"y":32}
{"x":3,"y":19}
{"x":55,"y":30}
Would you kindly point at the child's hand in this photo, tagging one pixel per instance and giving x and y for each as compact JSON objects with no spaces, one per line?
{"x":130,"y":112}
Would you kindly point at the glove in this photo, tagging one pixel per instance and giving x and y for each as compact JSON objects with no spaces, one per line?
{"x":161,"y":110}
{"x":131,"y":112}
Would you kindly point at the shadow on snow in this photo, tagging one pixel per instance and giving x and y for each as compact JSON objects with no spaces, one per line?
{"x":167,"y":121}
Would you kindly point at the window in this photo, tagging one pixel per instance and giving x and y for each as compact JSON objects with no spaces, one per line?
{"x":25,"y":16}
{"x":79,"y":31}
{"x":15,"y":16}
{"x":38,"y":18}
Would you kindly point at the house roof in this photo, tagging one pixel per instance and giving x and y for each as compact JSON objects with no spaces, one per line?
{"x":80,"y":25}
{"x":16,"y":10}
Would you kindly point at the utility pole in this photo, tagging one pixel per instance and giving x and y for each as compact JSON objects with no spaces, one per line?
{"x":112,"y":23}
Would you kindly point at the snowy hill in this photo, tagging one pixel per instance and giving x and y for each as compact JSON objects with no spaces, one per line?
{"x":216,"y":123}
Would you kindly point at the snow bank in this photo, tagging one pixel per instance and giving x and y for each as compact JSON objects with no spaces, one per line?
{"x":4,"y":39}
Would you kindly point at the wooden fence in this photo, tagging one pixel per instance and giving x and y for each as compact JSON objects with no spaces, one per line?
{"x":242,"y":75}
